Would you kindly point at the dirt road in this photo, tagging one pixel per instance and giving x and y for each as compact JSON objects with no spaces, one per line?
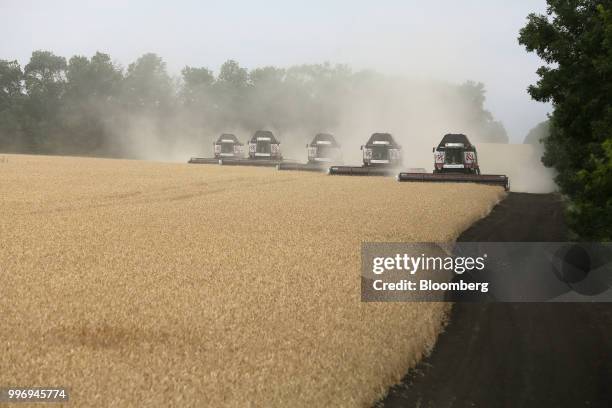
{"x":516,"y":355}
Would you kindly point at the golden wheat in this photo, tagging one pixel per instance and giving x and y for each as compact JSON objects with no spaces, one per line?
{"x":136,"y":283}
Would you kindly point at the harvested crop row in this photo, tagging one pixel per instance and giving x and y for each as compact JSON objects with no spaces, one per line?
{"x":136,"y":283}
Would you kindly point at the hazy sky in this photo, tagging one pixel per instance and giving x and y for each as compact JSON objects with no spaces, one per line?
{"x":448,"y":40}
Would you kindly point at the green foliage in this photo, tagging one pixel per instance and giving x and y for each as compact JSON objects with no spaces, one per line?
{"x":96,"y":78}
{"x":148,"y":86}
{"x":11,"y":104}
{"x":90,"y":103}
{"x":593,"y":207}
{"x":537,"y":134}
{"x":91,"y":106}
{"x":233,"y":74}
{"x":267,"y":76}
{"x":10,"y":80}
{"x":45,"y":81}
{"x":474,"y":96}
{"x":575,"y":40}
{"x":196,"y":84}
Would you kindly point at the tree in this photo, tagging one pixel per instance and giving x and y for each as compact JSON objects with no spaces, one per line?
{"x":10,"y":81}
{"x":575,"y":41}
{"x":266,"y":102}
{"x":477,"y":117}
{"x":230,"y":94}
{"x":90,"y":104}
{"x":267,"y":76}
{"x":233,"y":74}
{"x":148,"y":86}
{"x":313,"y":96}
{"x":597,"y":178}
{"x":537,"y":134}
{"x":45,"y":84}
{"x":11,"y":104}
{"x":196,"y":84}
{"x":196,"y":97}
{"x":97,"y":78}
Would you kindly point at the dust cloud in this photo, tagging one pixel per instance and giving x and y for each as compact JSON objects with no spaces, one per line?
{"x":417,"y":113}
{"x":521,"y":163}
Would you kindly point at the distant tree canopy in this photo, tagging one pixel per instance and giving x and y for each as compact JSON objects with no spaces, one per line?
{"x":537,"y":134}
{"x":11,"y":102}
{"x":89,"y":106}
{"x":474,"y":94}
{"x":575,"y":41}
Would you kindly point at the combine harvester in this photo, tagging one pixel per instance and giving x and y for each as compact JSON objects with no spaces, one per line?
{"x":226,"y":146}
{"x":456,"y":161}
{"x":381,"y":157}
{"x":322,"y":151}
{"x":264,"y":150}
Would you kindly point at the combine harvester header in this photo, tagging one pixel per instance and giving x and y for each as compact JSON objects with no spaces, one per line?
{"x":456,"y":161}
{"x":381,"y":157}
{"x":322,"y":151}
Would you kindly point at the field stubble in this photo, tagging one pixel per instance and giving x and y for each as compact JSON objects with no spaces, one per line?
{"x":138,"y":283}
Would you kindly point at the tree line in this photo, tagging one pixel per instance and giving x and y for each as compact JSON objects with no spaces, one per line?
{"x":574,"y":39}
{"x":88,"y":106}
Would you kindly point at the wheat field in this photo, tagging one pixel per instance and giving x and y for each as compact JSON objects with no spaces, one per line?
{"x":136,"y":283}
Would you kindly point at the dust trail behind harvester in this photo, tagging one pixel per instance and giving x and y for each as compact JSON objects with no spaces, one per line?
{"x":417,"y":112}
{"x":521,"y":163}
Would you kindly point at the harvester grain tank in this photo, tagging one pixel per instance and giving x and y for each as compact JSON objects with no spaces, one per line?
{"x":227,"y":146}
{"x":382,"y":150}
{"x":456,"y":161}
{"x":382,"y":156}
{"x":455,"y":154}
{"x":263,"y":145}
{"x":322,"y":151}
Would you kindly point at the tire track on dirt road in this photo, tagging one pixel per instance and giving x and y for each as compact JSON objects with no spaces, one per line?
{"x":516,"y":354}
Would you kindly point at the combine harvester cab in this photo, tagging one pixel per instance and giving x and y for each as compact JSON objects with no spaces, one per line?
{"x":455,"y":154}
{"x":456,"y":161}
{"x":381,"y":150}
{"x":264,"y":150}
{"x":264,"y":146}
{"x":226,"y":146}
{"x":382,"y":156}
{"x":322,"y":151}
